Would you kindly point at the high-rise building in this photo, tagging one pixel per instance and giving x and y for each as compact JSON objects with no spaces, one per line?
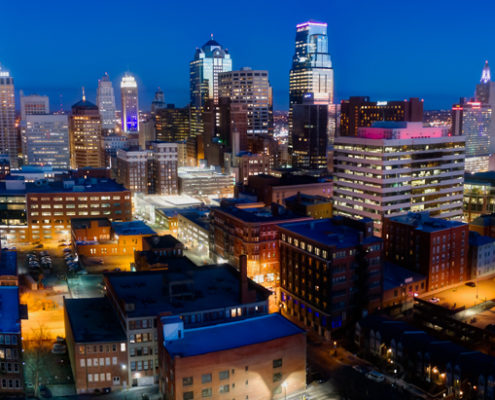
{"x":250,"y":87}
{"x":45,"y":140}
{"x":105,"y":99}
{"x":171,"y":123}
{"x":312,"y":70}
{"x":33,"y":105}
{"x":310,"y":136}
{"x":209,"y":60}
{"x":395,"y":167}
{"x":86,"y":148}
{"x":8,"y":131}
{"x":485,"y":90}
{"x":130,"y":104}
{"x":358,"y":112}
{"x":158,"y":101}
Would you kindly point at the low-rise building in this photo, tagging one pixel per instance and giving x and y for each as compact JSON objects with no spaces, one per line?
{"x":479,"y":195}
{"x":484,"y":225}
{"x":330,"y":272}
{"x":198,"y":295}
{"x":252,"y":164}
{"x":96,"y":344}
{"x":100,"y":237}
{"x":242,"y":229}
{"x":313,"y":206}
{"x":261,"y":358}
{"x":401,"y":286}
{"x":194,"y":230}
{"x":434,"y":247}
{"x":481,"y":255}
{"x":205,"y":184}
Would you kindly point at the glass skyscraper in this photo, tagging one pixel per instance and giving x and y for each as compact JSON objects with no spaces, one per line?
{"x":105,"y":100}
{"x":130,"y":105}
{"x":312,"y":71}
{"x":208,"y":62}
{"x":8,"y":133}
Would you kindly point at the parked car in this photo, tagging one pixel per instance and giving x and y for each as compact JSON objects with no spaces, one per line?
{"x":360,"y":368}
{"x":434,"y":300}
{"x":470,"y":284}
{"x":375,"y":376}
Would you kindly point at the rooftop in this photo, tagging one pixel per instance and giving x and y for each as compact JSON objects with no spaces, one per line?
{"x":475,"y":239}
{"x":8,"y":263}
{"x":484,"y":220}
{"x":307,"y":199}
{"x":336,"y":231}
{"x":198,"y":217}
{"x":257,"y":214}
{"x":423,"y":222}
{"x":480,"y":178}
{"x":161,"y":241}
{"x":232,"y":335}
{"x":132,"y":228}
{"x":85,"y":223}
{"x":395,"y":276}
{"x":9,"y":310}
{"x":93,"y":320}
{"x":89,"y":185}
{"x":180,"y":289}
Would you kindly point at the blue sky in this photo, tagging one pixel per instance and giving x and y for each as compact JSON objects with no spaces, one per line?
{"x":385,"y":49}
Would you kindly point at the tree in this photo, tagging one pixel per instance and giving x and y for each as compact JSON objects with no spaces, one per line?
{"x":36,"y":353}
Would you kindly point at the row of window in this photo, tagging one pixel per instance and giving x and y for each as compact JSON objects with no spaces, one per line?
{"x":95,"y":362}
{"x":8,"y":339}
{"x":11,"y":383}
{"x":91,"y":198}
{"x":142,"y":365}
{"x":100,"y":349}
{"x":102,"y":377}
{"x":8,"y":354}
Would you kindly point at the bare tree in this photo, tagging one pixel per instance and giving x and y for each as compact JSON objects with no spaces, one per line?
{"x":36,"y":351}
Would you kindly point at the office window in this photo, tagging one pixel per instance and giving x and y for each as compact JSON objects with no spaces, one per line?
{"x":277,"y":363}
{"x":187,"y":381}
{"x":224,"y":374}
{"x":206,"y":392}
{"x":224,"y":389}
{"x":206,"y":378}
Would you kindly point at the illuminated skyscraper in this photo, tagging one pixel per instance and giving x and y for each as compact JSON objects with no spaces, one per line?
{"x":8,"y":133}
{"x":253,"y":89}
{"x":86,"y":147}
{"x":105,"y":99}
{"x":485,"y":90}
{"x":130,"y":105}
{"x":158,"y":102}
{"x":312,"y":70}
{"x":208,"y":62}
{"x":33,"y":105}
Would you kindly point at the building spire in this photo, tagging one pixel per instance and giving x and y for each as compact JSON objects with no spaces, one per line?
{"x":485,"y":74}
{"x":83,"y":94}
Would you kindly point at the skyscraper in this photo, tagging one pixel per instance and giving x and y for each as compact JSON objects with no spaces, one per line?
{"x":45,"y":140}
{"x":130,"y":105}
{"x":33,"y":105}
{"x":208,"y":62}
{"x":312,"y":70}
{"x":86,"y":147}
{"x":8,"y":133}
{"x":252,"y":88}
{"x":485,"y":90}
{"x":105,"y":99}
{"x":158,"y":102}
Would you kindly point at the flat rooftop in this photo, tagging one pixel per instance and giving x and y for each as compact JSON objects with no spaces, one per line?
{"x":260,"y":214}
{"x":480,"y":178}
{"x":93,"y":320}
{"x":8,"y":263}
{"x":89,"y":185}
{"x":132,"y":228}
{"x":331,"y":232}
{"x":423,"y":222}
{"x":200,"y":218}
{"x":307,"y":199}
{"x":85,"y":223}
{"x":161,"y":242}
{"x":484,"y":220}
{"x":232,"y":335}
{"x":194,"y":289}
{"x":9,"y":310}
{"x":394,"y":276}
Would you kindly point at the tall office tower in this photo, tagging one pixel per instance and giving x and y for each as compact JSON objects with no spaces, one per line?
{"x":164,"y":168}
{"x":473,"y":120}
{"x":312,"y":70}
{"x":133,"y":170}
{"x":485,"y":90}
{"x":86,"y":146}
{"x":130,"y":104}
{"x":33,"y":104}
{"x":310,"y":136}
{"x":252,"y":88}
{"x":105,"y":99}
{"x":358,"y":112}
{"x":395,"y":167}
{"x":8,"y":132}
{"x":208,"y":62}
{"x":158,"y":102}
{"x":45,"y":140}
{"x":172,"y":124}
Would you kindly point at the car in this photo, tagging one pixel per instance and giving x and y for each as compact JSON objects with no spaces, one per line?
{"x":434,"y":300}
{"x":470,"y":284}
{"x":375,"y":376}
{"x":360,"y":368}
{"x":59,"y":348}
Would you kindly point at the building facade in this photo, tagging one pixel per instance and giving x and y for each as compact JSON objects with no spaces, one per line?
{"x":8,"y":131}
{"x":33,"y":105}
{"x":172,"y":124}
{"x":481,"y":255}
{"x":130,"y":104}
{"x":393,"y":168}
{"x":105,"y":99}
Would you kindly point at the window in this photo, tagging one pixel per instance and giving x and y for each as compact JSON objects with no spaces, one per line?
{"x":122,"y":347}
{"x":224,"y":389}
{"x":277,"y":363}
{"x":188,"y":396}
{"x":109,"y":376}
{"x":206,"y":378}
{"x":223,"y":374}
{"x":89,"y":362}
{"x":114,"y":360}
{"x":187,"y":381}
{"x":277,"y":377}
{"x":107,"y":360}
{"x":90,"y":377}
{"x":83,"y":362}
{"x":206,"y":392}
{"x":96,"y":377}
{"x":102,"y":377}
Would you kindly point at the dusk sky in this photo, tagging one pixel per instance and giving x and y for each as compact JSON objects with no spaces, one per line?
{"x":385,"y":49}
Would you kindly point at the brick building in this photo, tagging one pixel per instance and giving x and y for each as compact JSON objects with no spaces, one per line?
{"x":258,"y":358}
{"x":434,"y":247}
{"x":330,"y":272}
{"x":238,"y":229}
{"x":313,"y":206}
{"x":484,"y":225}
{"x":96,"y":345}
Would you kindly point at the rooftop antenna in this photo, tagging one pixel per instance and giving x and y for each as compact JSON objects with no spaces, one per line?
{"x":83,"y":94}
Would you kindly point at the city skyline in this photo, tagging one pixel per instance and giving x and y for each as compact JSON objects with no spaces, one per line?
{"x":394,"y":74}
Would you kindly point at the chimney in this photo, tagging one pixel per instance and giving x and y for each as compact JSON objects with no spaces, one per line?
{"x":243,"y":279}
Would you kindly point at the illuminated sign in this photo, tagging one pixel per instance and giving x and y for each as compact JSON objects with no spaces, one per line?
{"x":381,"y":103}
